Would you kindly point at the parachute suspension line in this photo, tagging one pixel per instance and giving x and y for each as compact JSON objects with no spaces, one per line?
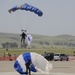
{"x":15,"y":20}
{"x":26,"y":7}
{"x":19,"y":21}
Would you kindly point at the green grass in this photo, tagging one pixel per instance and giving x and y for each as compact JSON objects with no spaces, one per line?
{"x":6,"y":37}
{"x":40,"y":51}
{"x":47,"y":41}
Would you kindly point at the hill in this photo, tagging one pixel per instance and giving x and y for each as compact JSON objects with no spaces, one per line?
{"x":39,"y":41}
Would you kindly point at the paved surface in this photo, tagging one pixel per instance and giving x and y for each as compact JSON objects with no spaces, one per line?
{"x":15,"y":73}
{"x":59,"y":68}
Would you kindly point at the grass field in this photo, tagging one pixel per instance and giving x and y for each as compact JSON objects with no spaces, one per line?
{"x":40,"y":43}
{"x":19,"y":51}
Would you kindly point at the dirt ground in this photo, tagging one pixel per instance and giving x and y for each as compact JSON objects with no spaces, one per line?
{"x":58,"y":66}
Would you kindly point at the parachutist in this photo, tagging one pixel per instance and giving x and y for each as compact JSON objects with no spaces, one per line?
{"x":34,"y":64}
{"x":23,"y":37}
{"x":28,"y":67}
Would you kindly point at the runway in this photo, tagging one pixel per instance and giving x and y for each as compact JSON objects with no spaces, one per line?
{"x":15,"y":73}
{"x":59,"y":68}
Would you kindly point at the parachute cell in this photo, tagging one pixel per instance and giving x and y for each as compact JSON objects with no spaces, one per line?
{"x":27,"y":7}
{"x":36,"y":61}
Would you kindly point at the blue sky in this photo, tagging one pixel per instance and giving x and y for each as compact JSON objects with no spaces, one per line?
{"x":58,"y":17}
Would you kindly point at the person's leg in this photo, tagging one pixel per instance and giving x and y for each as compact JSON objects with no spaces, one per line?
{"x":29,"y":72}
{"x":26,"y":71}
{"x":21,"y":40}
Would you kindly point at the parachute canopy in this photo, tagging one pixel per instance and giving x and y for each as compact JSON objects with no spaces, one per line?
{"x":27,"y":7}
{"x":29,"y":39}
{"x":39,"y":63}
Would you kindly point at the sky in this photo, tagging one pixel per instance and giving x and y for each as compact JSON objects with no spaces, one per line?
{"x":58,"y":17}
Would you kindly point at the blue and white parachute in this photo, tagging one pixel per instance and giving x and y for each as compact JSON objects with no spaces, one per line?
{"x":29,"y":39}
{"x":39,"y":63}
{"x":27,"y":7}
